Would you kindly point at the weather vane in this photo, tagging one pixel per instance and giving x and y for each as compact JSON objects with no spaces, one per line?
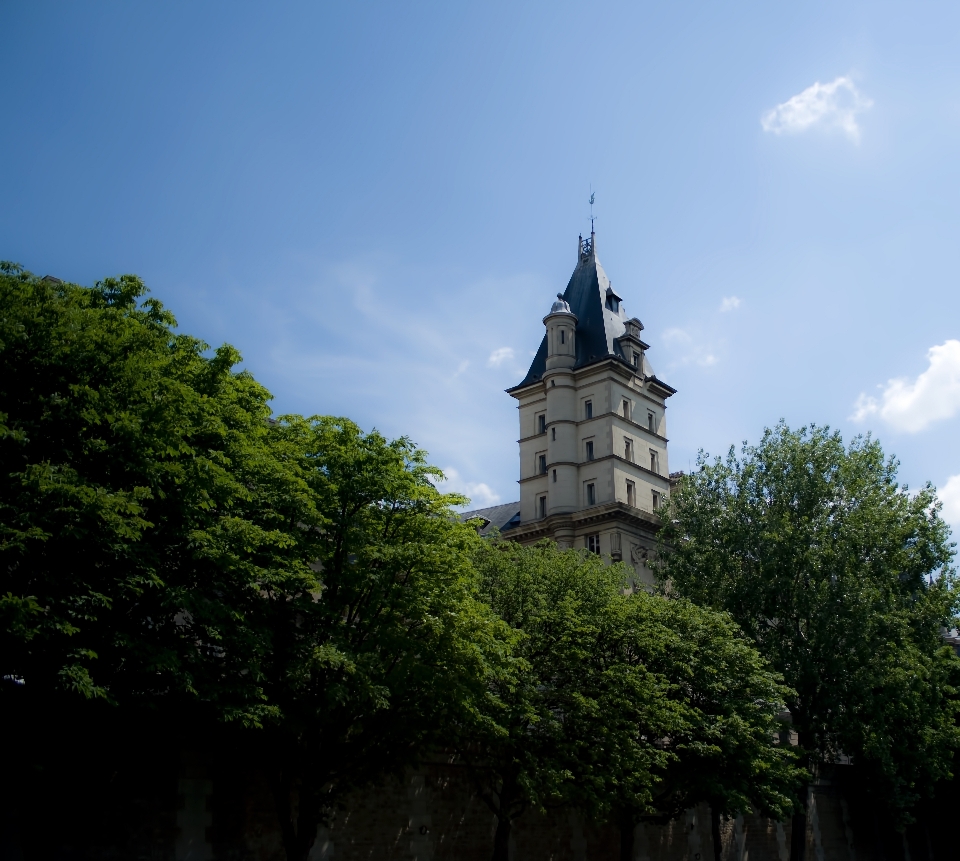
{"x":593,"y":194}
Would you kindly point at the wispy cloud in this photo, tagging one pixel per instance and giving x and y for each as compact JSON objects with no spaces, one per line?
{"x":834,"y":105}
{"x":912,"y":405}
{"x":729,"y":303}
{"x":691,"y":351}
{"x":499,"y":356}
{"x":481,"y":495}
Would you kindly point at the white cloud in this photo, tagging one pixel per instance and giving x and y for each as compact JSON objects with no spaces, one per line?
{"x":950,"y":497}
{"x":729,"y":303}
{"x":833,"y":105}
{"x":481,"y":495}
{"x":911,"y":406}
{"x":499,"y":356}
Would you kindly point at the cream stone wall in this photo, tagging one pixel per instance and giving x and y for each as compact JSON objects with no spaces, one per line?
{"x":625,"y":531}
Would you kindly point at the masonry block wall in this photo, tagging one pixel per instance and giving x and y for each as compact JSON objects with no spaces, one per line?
{"x":195,"y":806}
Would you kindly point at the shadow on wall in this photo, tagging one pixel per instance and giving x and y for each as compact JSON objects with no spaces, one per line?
{"x":198,"y":806}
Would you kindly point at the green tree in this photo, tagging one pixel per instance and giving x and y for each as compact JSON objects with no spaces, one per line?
{"x":143,"y":505}
{"x":392,"y":651}
{"x":624,"y":704}
{"x":168,"y":548}
{"x":843,"y":580}
{"x":722,"y":744}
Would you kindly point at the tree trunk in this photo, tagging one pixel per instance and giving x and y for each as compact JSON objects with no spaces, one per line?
{"x":798,"y":836}
{"x":501,"y":840}
{"x":715,"y":832}
{"x":298,"y":822}
{"x":627,"y":823}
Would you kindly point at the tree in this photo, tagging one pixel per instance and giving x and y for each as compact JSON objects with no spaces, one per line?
{"x":617,"y":702}
{"x":374,"y":667}
{"x":722,"y":747}
{"x":843,"y":581}
{"x":143,"y":505}
{"x":168,"y":549}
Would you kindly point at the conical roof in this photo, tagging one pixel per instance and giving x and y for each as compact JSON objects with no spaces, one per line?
{"x":598,"y":324}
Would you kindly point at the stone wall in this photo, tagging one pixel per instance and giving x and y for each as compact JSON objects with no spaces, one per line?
{"x":192,"y":807}
{"x":433,"y":814}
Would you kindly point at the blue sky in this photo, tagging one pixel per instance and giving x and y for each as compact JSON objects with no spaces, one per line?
{"x":377,"y":202}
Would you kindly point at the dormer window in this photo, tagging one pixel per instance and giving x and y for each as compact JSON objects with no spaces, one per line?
{"x":636,"y":359}
{"x":613,"y":301}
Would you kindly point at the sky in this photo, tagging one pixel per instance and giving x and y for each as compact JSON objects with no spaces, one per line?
{"x":377,"y":202}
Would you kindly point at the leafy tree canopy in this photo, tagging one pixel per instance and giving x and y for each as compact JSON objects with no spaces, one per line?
{"x":843,"y":580}
{"x":143,"y":508}
{"x":393,"y":650}
{"x":619,"y":702}
{"x":167,"y":545}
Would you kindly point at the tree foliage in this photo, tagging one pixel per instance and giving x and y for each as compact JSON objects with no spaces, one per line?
{"x":842,"y":579}
{"x":391,"y":651}
{"x":142,"y":506}
{"x":616,"y":702}
{"x":167,"y":546}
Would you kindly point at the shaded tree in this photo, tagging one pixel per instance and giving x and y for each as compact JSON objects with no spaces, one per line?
{"x":842,"y":579}
{"x":143,"y":504}
{"x":617,"y":703}
{"x":169,"y":550}
{"x":385,"y":658}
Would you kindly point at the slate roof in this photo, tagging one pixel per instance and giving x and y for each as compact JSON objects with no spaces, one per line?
{"x":496,"y":517}
{"x":598,"y":327}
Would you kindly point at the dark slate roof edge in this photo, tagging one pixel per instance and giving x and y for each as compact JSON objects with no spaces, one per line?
{"x":497,"y":516}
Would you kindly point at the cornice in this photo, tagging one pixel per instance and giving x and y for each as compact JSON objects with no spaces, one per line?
{"x":596,"y":516}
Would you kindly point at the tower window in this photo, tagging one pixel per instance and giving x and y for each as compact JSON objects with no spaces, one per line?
{"x":651,"y":421}
{"x":554,"y":476}
{"x":542,"y":464}
{"x":553,"y":433}
{"x":656,"y":500}
{"x":631,"y":494}
{"x":588,"y":409}
{"x":628,"y":449}
{"x":591,"y":494}
{"x":653,"y":461}
{"x":592,"y":542}
{"x":563,"y":335}
{"x":542,"y":423}
{"x":626,"y":408}
{"x":542,"y":505}
{"x":589,"y":449}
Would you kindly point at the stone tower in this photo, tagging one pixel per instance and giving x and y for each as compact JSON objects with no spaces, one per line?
{"x":593,"y":444}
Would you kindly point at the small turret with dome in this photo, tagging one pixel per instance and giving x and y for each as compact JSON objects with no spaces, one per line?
{"x":561,"y":337}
